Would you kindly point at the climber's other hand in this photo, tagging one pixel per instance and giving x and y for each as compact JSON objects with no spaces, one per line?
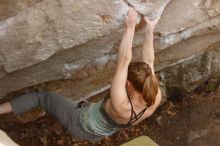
{"x":151,"y":24}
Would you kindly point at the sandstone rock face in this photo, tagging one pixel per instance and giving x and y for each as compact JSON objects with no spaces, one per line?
{"x":70,"y":46}
{"x":10,"y":8}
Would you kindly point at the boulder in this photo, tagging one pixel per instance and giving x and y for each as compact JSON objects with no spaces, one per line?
{"x":70,"y":47}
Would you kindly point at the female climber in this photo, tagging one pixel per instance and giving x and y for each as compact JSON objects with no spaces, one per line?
{"x":134,"y":93}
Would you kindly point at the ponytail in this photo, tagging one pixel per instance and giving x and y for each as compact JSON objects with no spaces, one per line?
{"x":141,"y":77}
{"x":150,"y":89}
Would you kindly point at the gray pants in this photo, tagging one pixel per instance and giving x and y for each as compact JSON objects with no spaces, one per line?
{"x":63,"y":109}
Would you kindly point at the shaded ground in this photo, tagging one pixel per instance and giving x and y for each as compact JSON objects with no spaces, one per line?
{"x":194,"y":121}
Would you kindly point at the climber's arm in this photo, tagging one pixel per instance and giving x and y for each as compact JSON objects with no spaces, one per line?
{"x":118,"y":90}
{"x":148,"y":48}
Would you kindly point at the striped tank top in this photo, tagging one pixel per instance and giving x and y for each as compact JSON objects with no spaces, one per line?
{"x":95,"y":120}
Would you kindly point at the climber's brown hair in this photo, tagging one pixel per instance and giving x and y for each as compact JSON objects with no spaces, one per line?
{"x":141,"y":77}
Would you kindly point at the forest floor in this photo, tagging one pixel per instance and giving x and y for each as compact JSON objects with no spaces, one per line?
{"x":192,"y":121}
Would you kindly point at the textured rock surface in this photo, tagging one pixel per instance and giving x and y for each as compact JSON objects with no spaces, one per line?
{"x":10,"y":8}
{"x":70,"y":46}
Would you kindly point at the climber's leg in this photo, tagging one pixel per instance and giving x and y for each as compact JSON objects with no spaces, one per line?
{"x":58,"y":106}
{"x":63,"y":109}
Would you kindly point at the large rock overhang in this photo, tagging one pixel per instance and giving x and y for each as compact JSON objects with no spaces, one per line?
{"x":70,"y":47}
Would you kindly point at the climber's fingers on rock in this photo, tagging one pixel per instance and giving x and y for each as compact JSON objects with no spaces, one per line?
{"x":131,"y":17}
{"x":132,"y":13}
{"x":146,"y":19}
{"x":151,"y":24}
{"x":155,"y":21}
